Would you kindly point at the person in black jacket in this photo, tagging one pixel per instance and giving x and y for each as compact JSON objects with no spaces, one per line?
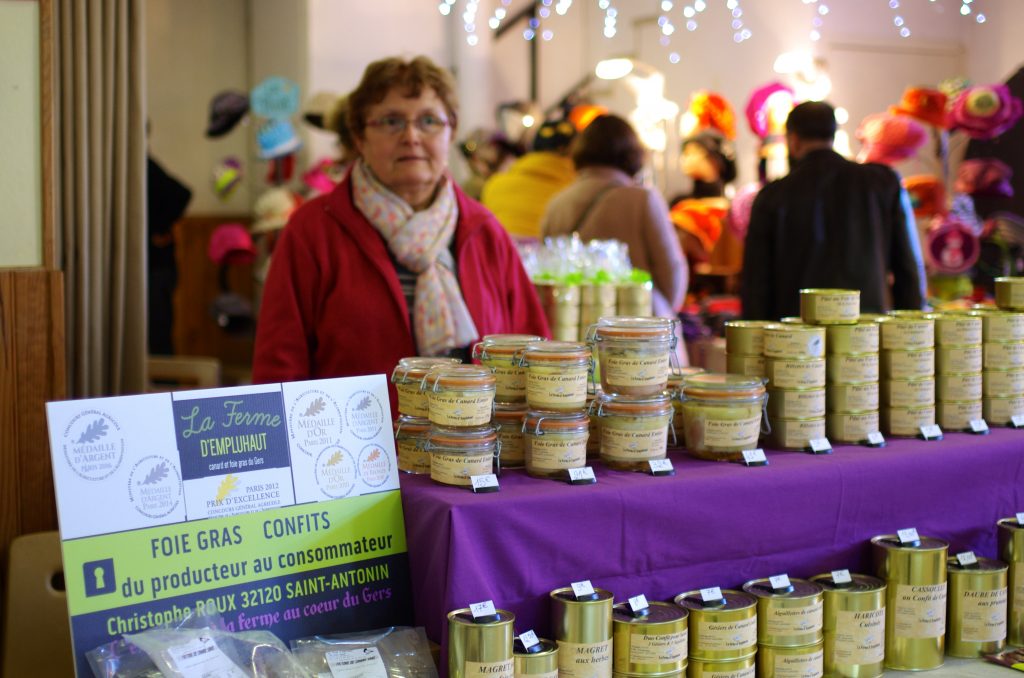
{"x":830,"y":223}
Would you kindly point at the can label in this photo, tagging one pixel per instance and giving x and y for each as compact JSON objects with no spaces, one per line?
{"x":718,"y":636}
{"x":411,"y":400}
{"x":958,"y":359}
{"x":909,"y":364}
{"x":548,"y":674}
{"x":665,"y":648}
{"x":1010,"y":293}
{"x":738,"y":673}
{"x":511,"y":439}
{"x":798,"y":404}
{"x":1001,"y":356}
{"x":731,"y":433}
{"x":744,"y":340}
{"x":585,"y":660}
{"x":859,"y":637}
{"x":845,"y":369}
{"x":466,"y":408}
{"x":620,"y":370}
{"x":983,"y":616}
{"x":904,"y":334}
{"x":798,"y":433}
{"x":556,"y":388}
{"x":786,"y":621}
{"x":958,"y":415}
{"x":1002,"y":410}
{"x":800,"y":665}
{"x":859,"y":338}
{"x":853,"y":397}
{"x":510,"y":381}
{"x":960,"y":387}
{"x":956,"y":331}
{"x":412,"y":458}
{"x":797,"y":373}
{"x":826,"y":307}
{"x":1003,"y":327}
{"x":1003,"y":383}
{"x":920,"y":611}
{"x":633,"y":445}
{"x":916,"y":393}
{"x":1018,"y":587}
{"x":747,"y":365}
{"x":505,"y":669}
{"x":555,"y":452}
{"x":852,"y":427}
{"x":905,"y":421}
{"x":788,"y":343}
{"x":455,"y":469}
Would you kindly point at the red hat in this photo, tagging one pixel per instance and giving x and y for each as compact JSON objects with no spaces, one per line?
{"x":927,"y":105}
{"x":231,"y":244}
{"x":890,"y":138}
{"x":713,"y":111}
{"x":927,"y":195}
{"x":951,"y":246}
{"x":984,"y":176}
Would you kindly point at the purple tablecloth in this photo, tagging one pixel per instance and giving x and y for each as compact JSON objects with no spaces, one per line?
{"x":712,"y":524}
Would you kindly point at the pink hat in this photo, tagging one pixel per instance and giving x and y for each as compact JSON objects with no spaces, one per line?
{"x":951,"y":246}
{"x":985,"y":112}
{"x":757,"y":107}
{"x":985,"y":176}
{"x":890,"y":138}
{"x":231,"y":244}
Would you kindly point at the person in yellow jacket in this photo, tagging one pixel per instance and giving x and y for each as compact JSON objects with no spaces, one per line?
{"x":518,"y":196}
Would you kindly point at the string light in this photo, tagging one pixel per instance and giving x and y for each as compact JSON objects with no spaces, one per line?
{"x":610,"y":17}
{"x":740,"y":33}
{"x":469,"y":21}
{"x":898,"y":21}
{"x":667,"y":28}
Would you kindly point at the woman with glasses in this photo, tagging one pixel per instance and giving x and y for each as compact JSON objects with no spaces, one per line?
{"x":397,"y":261}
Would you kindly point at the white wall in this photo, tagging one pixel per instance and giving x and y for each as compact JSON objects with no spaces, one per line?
{"x":995,"y":49}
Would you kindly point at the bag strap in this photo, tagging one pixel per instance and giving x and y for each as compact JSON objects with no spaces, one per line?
{"x":590,"y":208}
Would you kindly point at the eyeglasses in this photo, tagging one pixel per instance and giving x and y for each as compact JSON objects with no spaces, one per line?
{"x":428,"y":124}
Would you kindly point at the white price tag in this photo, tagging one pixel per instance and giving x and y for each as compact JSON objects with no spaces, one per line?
{"x":931,"y":432}
{"x":979,"y":426}
{"x":1020,"y":518}
{"x":908,"y":535}
{"x":363,"y":662}
{"x":661,"y":465}
{"x":528,"y":639}
{"x":967,"y":558}
{"x":582,"y":589}
{"x":1017,"y":420}
{"x":581,"y":474}
{"x":711,"y":595}
{"x":779,"y":581}
{"x":754,"y":457}
{"x":819,"y":445}
{"x":638,"y":603}
{"x":484,"y":609}
{"x":876,"y":438}
{"x":484,"y":481}
{"x":201,"y":657}
{"x":841,"y":577}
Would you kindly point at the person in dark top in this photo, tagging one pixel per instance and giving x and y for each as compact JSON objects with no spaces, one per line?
{"x":829,"y":223}
{"x":167,"y":199}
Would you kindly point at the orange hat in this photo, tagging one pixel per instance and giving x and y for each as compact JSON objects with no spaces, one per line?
{"x":702,"y":219}
{"x":927,"y":195}
{"x":712,"y":110}
{"x":583,"y":114}
{"x":928,"y":105}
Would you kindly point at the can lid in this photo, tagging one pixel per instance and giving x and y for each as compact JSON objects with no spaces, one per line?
{"x":547,"y":647}
{"x":566,"y":594}
{"x":1010,"y":279}
{"x":826,"y":290}
{"x":1011,"y":523}
{"x":891,"y":541}
{"x":794,"y":327}
{"x":861,"y":583}
{"x":650,"y":406}
{"x":748,"y":324}
{"x":657,"y":613}
{"x":734,"y":600}
{"x":464,"y":616}
{"x":801,"y":588}
{"x":628,"y":327}
{"x":416,"y":367}
{"x":792,"y":320}
{"x":983,"y":565}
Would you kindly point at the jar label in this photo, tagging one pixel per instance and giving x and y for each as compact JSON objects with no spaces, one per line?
{"x":902,"y":393}
{"x":511,"y":439}
{"x":920,"y":611}
{"x":859,"y":637}
{"x":958,"y":331}
{"x":1000,"y":356}
{"x":1002,"y":383}
{"x":1003,"y":327}
{"x":738,"y":433}
{"x":910,"y":364}
{"x":629,"y":445}
{"x":857,"y":397}
{"x":903,"y":334}
{"x":618,"y":368}
{"x":461,"y":408}
{"x":787,"y":621}
{"x":786,"y":343}
{"x":411,"y":400}
{"x":709,"y":672}
{"x":412,"y":458}
{"x":717,"y":636}
{"x":585,"y":660}
{"x":797,"y":373}
{"x":455,"y":469}
{"x":960,"y":387}
{"x":661,"y":648}
{"x":556,"y":388}
{"x":983,"y":616}
{"x":799,"y":665}
{"x":510,"y":381}
{"x":555,"y":452}
{"x":505,"y":669}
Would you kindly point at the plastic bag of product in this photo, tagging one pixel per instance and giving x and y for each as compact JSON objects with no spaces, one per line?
{"x":393,"y":652}
{"x":212,"y":653}
{"x":121,"y":659}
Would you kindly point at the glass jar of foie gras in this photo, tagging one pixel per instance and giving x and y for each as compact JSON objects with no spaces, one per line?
{"x":915,"y":576}
{"x":480,"y":646}
{"x":459,"y":395}
{"x":410,"y":439}
{"x":789,"y":615}
{"x":556,"y":375}
{"x":650,"y":642}
{"x":582,"y":626}
{"x":500,"y":353}
{"x":674,"y":391}
{"x":538,"y":661}
{"x":1011,"y":551}
{"x":723,"y":414}
{"x":508,"y":420}
{"x":633,"y":354}
{"x":458,"y":454}
{"x":854,"y":624}
{"x":977,"y":606}
{"x":634,"y":431}
{"x":408,"y":380}
{"x":554,"y":442}
{"x":723,"y":632}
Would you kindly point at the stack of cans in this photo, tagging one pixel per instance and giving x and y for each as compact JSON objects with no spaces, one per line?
{"x":958,"y":362}
{"x":795,"y":367}
{"x":744,"y":347}
{"x":790,"y":640}
{"x":908,"y":372}
{"x":853,"y":374}
{"x":1003,"y":374}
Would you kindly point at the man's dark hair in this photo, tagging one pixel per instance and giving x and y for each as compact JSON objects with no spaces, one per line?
{"x":812,"y":120}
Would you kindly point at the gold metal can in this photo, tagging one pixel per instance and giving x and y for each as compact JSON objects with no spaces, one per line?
{"x":541,"y":663}
{"x":723,"y":630}
{"x":852,"y":368}
{"x":907,"y":332}
{"x":745,"y":337}
{"x":1011,"y":551}
{"x":790,"y":617}
{"x":790,"y":373}
{"x":746,"y":365}
{"x":977,"y":608}
{"x":561,"y":304}
{"x":901,"y":364}
{"x":735,"y":668}
{"x":796,"y":434}
{"x":957,"y":415}
{"x":915,"y":576}
{"x":1001,"y":411}
{"x":852,"y":397}
{"x":796,"y":403}
{"x":851,"y":427}
{"x":795,"y":342}
{"x":908,"y":392}
{"x":1002,"y":326}
{"x":583,"y":631}
{"x":476,"y":650}
{"x":961,"y":328}
{"x":861,"y":337}
{"x":959,"y":386}
{"x":635,"y":299}
{"x":1004,"y":355}
{"x":906,"y":421}
{"x":829,"y":307}
{"x":958,"y":359}
{"x":1002,"y":383}
{"x":792,"y":320}
{"x":786,"y":662}
{"x":1010,"y":293}
{"x":854,"y":625}
{"x":653,"y":644}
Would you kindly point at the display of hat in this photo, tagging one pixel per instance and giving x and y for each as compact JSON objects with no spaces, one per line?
{"x":226,"y":110}
{"x":768,"y":107}
{"x":951,"y":246}
{"x":985,"y":177}
{"x":276,"y":139}
{"x":318,"y":108}
{"x":703,"y":218}
{"x":889,"y":138}
{"x":926,"y":105}
{"x":720,"y":150}
{"x":710,"y":110}
{"x":583,"y":114}
{"x":554,"y":135}
{"x":227,"y":176}
{"x":231,"y":244}
{"x":273,"y":208}
{"x":322,"y":177}
{"x":985,"y":112}
{"x":927,"y":194}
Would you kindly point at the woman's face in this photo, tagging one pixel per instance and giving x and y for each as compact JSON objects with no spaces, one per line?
{"x":409,"y":161}
{"x":696,"y":163}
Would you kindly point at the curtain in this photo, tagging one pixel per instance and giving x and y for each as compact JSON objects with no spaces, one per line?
{"x":101,"y":192}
